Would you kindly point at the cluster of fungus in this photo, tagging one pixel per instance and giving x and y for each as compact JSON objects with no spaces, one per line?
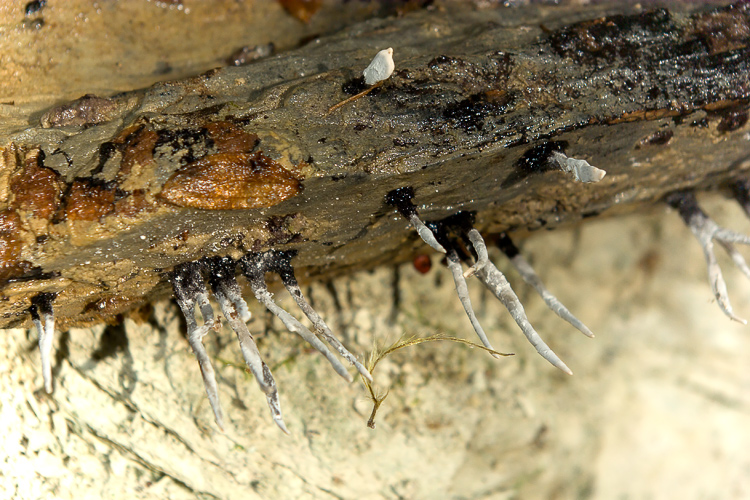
{"x":188,"y":283}
{"x":454,"y":237}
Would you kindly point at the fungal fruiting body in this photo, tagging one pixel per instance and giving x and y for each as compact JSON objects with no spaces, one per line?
{"x":580,"y":169}
{"x":453,"y":236}
{"x":189,"y":288}
{"x":706,"y":231}
{"x":44,"y":320}
{"x":378,"y":71}
{"x":380,"y":68}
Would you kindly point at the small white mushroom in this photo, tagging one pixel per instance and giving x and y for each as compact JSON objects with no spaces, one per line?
{"x":581,"y":169}
{"x":381,"y":67}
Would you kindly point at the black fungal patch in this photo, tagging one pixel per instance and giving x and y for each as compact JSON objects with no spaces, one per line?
{"x":685,"y":203}
{"x":470,"y":114}
{"x":506,"y":245}
{"x":186,"y":144}
{"x":34,"y":274}
{"x":41,"y":304}
{"x":534,"y":161}
{"x":34,"y":7}
{"x":451,"y":227}
{"x":219,"y":269}
{"x":186,"y":280}
{"x":653,"y":93}
{"x":471,"y":89}
{"x":441,"y":61}
{"x":354,"y":86}
{"x":255,"y":265}
{"x":451,"y":232}
{"x":607,"y":39}
{"x":401,"y":199}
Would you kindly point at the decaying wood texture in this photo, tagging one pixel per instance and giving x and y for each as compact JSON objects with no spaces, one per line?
{"x":479,"y":100}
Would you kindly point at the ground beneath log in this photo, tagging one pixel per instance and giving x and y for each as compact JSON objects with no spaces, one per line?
{"x":659,"y":405}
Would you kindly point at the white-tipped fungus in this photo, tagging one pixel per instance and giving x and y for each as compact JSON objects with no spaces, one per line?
{"x":380,"y":68}
{"x":706,"y":232}
{"x":44,"y":320}
{"x":581,"y":169}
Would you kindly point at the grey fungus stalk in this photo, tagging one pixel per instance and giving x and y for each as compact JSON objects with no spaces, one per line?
{"x":254,"y":267}
{"x":462,"y":290}
{"x":221,"y":276}
{"x":706,"y":232}
{"x":282,"y":265}
{"x":401,"y":199}
{"x":447,"y":236}
{"x":527,"y":273}
{"x":43,"y":318}
{"x":496,"y":282}
{"x":455,"y":234}
{"x":190,"y":290}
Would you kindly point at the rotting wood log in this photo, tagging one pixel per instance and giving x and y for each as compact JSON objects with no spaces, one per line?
{"x":107,"y":194}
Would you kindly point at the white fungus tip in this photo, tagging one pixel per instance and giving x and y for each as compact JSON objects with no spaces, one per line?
{"x":380,"y":68}
{"x":580,"y":169}
{"x":282,"y":426}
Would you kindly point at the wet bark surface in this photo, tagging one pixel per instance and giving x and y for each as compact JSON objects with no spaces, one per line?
{"x":138,"y":182}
